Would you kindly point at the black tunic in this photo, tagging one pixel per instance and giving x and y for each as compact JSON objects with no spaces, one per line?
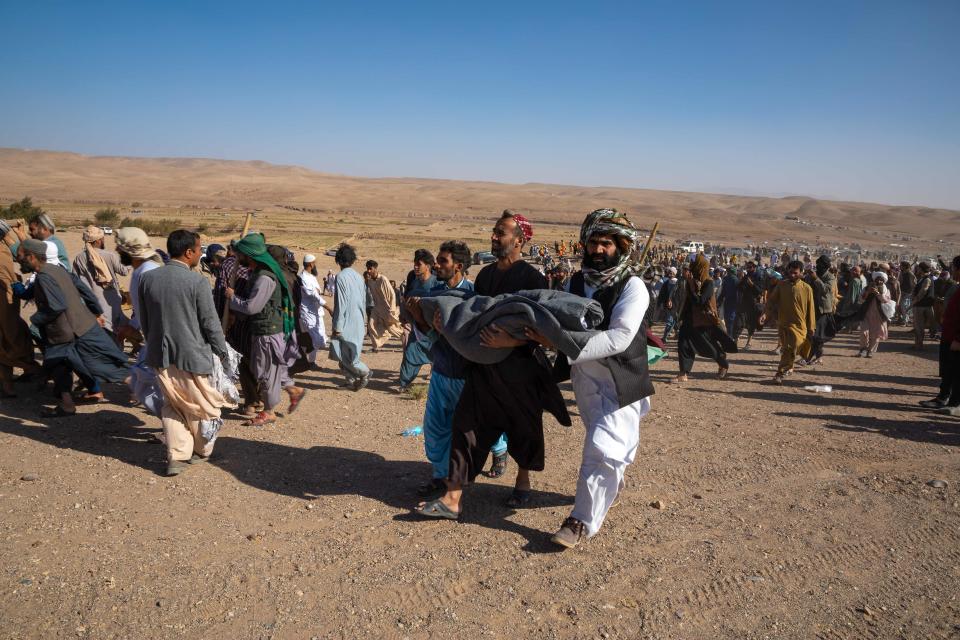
{"x":508,"y":397}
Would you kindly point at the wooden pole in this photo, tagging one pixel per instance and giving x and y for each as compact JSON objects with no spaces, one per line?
{"x":646,"y":248}
{"x":225,"y":319}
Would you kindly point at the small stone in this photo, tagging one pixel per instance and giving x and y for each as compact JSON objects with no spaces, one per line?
{"x":755,"y":578}
{"x":299,"y":593}
{"x":309,"y":507}
{"x":658,"y":504}
{"x":76,"y":505}
{"x":938,"y":484}
{"x":679,"y":614}
{"x":29,"y":477}
{"x":26,"y":581}
{"x":697,"y":496}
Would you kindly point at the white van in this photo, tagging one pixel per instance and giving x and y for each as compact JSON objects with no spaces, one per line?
{"x":692,"y":247}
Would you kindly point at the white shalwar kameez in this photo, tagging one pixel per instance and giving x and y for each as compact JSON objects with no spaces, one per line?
{"x":612,"y":432}
{"x":311,"y":313}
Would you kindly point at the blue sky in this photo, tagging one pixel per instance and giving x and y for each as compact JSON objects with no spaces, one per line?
{"x":852,"y":100}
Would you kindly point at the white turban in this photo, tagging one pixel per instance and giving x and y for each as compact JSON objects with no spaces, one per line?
{"x":307,"y":259}
{"x":879,"y":274}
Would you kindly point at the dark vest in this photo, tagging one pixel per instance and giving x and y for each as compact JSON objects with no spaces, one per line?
{"x":631,"y":374}
{"x":270,"y":319}
{"x":76,"y":320}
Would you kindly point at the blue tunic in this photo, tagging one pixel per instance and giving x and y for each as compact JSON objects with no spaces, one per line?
{"x":349,"y":323}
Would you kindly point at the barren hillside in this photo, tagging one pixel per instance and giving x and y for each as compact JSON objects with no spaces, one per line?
{"x":57,"y":177}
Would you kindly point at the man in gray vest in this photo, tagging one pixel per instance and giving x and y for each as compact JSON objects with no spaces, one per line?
{"x":183,"y":332}
{"x":269,"y":309}
{"x":610,"y":377}
{"x":74,"y":341}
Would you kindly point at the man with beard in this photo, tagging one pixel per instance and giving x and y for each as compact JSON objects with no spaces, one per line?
{"x":824,"y":285}
{"x":750,"y":291}
{"x":41,"y":227}
{"x":98,"y":268}
{"x":610,"y":376}
{"x":74,"y":341}
{"x":312,"y":305}
{"x":447,"y":374}
{"x":508,"y":397}
{"x":269,"y":311}
{"x":346,"y":338}
{"x":792,"y":300}
{"x":383,"y":321}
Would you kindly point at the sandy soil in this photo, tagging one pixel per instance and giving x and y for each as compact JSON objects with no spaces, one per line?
{"x":787,"y":514}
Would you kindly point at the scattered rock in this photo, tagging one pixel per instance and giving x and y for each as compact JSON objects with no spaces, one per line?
{"x":938,"y":484}
{"x":658,"y":504}
{"x":697,"y":496}
{"x":29,"y":477}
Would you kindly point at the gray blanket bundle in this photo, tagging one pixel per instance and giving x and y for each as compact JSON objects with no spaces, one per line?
{"x":566,"y":319}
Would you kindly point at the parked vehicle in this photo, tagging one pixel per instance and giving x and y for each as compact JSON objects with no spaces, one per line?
{"x":107,"y":231}
{"x":692,"y":246}
{"x":483,"y":257}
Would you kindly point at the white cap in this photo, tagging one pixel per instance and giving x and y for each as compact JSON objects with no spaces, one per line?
{"x":307,"y":259}
{"x":53,"y":254}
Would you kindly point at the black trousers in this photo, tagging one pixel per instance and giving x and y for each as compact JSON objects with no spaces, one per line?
{"x":694,"y":341}
{"x":949,"y":375}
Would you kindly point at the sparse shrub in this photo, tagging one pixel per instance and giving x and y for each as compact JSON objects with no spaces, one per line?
{"x":162,"y":227}
{"x":107,"y":216}
{"x":23,"y":209}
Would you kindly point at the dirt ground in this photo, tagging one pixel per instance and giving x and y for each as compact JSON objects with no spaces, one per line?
{"x":787,"y":514}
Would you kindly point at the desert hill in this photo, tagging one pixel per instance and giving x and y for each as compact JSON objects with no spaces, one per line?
{"x":60,"y":177}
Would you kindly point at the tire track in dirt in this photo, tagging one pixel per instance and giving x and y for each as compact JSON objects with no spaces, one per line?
{"x":779,"y":467}
{"x":701,"y":602}
{"x":417,"y":598}
{"x":860,"y":619}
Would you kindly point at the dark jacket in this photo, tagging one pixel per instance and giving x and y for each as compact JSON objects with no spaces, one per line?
{"x":179,"y":320}
{"x":630,"y":370}
{"x":66,"y":308}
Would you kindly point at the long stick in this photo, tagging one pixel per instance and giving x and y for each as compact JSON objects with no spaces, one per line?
{"x":225,"y":320}
{"x":646,"y":248}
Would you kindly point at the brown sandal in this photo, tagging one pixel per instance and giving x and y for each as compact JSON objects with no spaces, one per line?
{"x":294,"y":403}
{"x":260,"y":420}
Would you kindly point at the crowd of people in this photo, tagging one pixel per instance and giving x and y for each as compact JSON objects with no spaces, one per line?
{"x":236,"y":324}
